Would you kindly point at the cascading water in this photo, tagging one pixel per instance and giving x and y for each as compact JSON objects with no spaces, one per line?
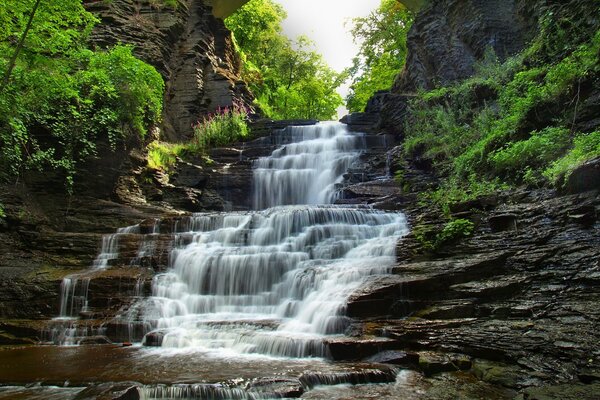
{"x":275,"y":281}
{"x":65,"y":329}
{"x":306,"y":170}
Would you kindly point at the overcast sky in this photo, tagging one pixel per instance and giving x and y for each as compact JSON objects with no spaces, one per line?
{"x":323,"y":21}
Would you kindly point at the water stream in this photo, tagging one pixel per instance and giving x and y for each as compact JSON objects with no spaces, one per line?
{"x":275,"y":281}
{"x":271,"y":283}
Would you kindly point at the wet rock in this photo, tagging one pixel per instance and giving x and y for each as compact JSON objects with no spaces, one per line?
{"x":497,"y":373}
{"x":356,"y":349}
{"x":434,"y":363}
{"x":111,"y":391}
{"x":481,"y":203}
{"x":353,"y":377}
{"x":276,"y":388}
{"x":572,"y":391}
{"x":402,"y":358}
{"x":423,"y":280}
{"x":489,"y":288}
{"x":589,"y":375}
{"x":373,"y":190}
{"x":361,"y":121}
{"x":154,"y":339}
{"x":94,"y":340}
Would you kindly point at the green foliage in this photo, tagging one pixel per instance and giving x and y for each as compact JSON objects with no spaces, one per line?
{"x":455,"y":190}
{"x":512,"y":122}
{"x":62,"y":99}
{"x":382,"y":38}
{"x":2,"y":212}
{"x":454,"y":230}
{"x":224,"y":127}
{"x":162,"y":155}
{"x":535,"y":152}
{"x":585,"y":147}
{"x":289,"y":79}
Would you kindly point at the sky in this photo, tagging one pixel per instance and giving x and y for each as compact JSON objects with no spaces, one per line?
{"x":323,"y":22}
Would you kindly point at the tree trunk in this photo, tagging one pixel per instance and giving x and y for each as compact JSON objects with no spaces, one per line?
{"x":13,"y":60}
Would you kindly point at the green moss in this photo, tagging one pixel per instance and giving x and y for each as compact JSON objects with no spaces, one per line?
{"x":163,"y":156}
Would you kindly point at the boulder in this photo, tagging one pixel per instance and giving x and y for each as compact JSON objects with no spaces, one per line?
{"x":584,"y":178}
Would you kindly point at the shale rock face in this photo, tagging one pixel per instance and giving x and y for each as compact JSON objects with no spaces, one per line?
{"x":449,"y":36}
{"x":189,"y":46}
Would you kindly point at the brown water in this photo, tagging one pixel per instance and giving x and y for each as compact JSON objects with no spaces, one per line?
{"x":62,"y":372}
{"x":82,"y":365}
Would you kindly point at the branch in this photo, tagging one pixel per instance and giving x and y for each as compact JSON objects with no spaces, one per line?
{"x":13,"y":60}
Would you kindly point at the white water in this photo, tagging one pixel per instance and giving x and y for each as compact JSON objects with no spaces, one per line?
{"x":74,"y":288}
{"x":276,"y":281}
{"x":306,"y":170}
{"x":273,"y":281}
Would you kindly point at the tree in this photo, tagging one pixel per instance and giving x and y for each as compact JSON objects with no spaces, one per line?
{"x":284,"y":76}
{"x":62,"y":98}
{"x":382,"y":38}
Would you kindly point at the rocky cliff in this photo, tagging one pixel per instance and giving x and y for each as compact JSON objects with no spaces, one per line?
{"x":447,"y":40}
{"x":449,"y":37}
{"x":190,"y":47}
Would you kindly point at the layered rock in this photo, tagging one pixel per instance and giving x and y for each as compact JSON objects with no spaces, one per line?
{"x":449,"y":37}
{"x":518,"y":296}
{"x":447,"y":40}
{"x":190,"y":47}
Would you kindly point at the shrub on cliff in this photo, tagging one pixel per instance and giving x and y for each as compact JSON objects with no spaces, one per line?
{"x":225,"y":126}
{"x":516,"y":122}
{"x":62,"y":98}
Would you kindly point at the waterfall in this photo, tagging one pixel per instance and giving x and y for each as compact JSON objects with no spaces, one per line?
{"x":306,"y":170}
{"x":275,"y":281}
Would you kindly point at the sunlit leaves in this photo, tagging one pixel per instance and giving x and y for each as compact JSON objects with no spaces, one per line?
{"x":382,"y":38}
{"x":289,"y":79}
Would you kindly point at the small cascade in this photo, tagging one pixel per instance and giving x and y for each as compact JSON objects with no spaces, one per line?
{"x":110,"y":246}
{"x":197,"y":391}
{"x":265,"y":388}
{"x":307,"y":167}
{"x":74,"y":288}
{"x":274,"y":281}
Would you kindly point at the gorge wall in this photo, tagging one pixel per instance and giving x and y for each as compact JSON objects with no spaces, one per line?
{"x":446,"y":41}
{"x":188,"y":45}
{"x":517,"y":301}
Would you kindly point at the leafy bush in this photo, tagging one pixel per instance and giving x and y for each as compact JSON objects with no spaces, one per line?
{"x":585,"y":147}
{"x":456,"y":229}
{"x":455,"y":190}
{"x":536,"y":152}
{"x":62,"y":98}
{"x":224,"y":127}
